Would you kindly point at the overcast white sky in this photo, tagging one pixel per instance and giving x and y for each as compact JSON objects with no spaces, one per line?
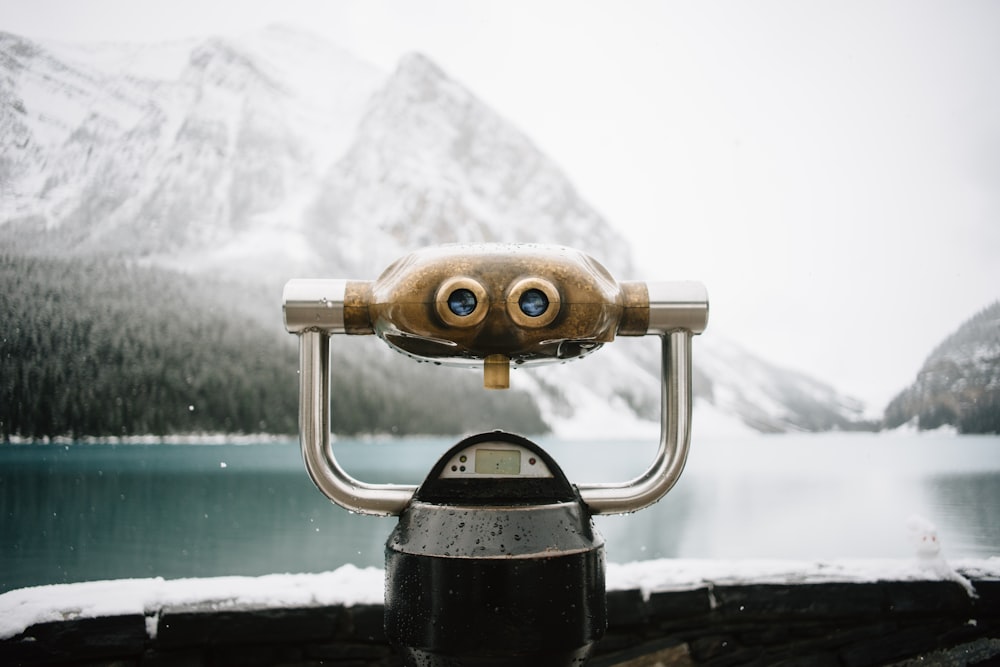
{"x":831,"y":170}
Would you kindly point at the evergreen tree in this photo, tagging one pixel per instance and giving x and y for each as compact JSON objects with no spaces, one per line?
{"x":98,"y":348}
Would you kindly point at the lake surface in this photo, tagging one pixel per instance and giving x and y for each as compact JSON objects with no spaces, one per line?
{"x":85,"y":512}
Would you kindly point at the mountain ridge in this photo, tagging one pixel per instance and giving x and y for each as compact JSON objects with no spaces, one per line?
{"x":244,"y":165}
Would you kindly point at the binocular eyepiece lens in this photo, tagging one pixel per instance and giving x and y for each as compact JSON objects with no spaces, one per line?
{"x":533,"y":302}
{"x":462,"y":302}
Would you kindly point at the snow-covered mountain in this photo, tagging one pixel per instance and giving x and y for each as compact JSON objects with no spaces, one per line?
{"x":196,"y":153}
{"x":959,"y":383}
{"x":431,"y":164}
{"x":275,"y":155}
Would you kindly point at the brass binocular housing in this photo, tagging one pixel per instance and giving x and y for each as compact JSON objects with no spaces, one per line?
{"x":495,"y":304}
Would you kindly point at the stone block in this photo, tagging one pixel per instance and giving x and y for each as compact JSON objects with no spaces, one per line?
{"x":799,"y":600}
{"x":80,"y":639}
{"x":765,"y":634}
{"x":184,"y":628}
{"x":988,"y":603}
{"x":626,"y":608}
{"x":366,"y":622}
{"x":927,"y":598}
{"x":254,"y":655}
{"x":670,"y":605}
{"x":341,"y":651}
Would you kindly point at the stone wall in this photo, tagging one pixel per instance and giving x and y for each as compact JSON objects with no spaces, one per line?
{"x":850,"y":624}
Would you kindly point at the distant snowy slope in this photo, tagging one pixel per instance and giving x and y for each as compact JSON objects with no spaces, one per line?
{"x":616,"y":393}
{"x":770,"y":398}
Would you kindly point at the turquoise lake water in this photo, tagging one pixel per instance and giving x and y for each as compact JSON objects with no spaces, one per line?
{"x":86,"y":512}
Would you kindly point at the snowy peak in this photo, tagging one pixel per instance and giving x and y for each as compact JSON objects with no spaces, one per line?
{"x":219,"y":64}
{"x":432,"y":164}
{"x":424,"y":73}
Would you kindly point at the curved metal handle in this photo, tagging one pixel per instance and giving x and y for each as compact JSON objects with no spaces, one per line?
{"x":677,"y":311}
{"x":314,"y":311}
{"x":675,"y":438}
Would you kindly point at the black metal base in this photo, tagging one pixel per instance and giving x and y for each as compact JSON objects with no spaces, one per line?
{"x":546,"y":611}
{"x":512,"y":575}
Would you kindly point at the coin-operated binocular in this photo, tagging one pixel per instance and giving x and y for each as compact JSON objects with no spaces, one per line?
{"x":495,"y":559}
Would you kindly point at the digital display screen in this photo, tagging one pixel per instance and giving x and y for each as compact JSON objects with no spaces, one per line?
{"x":498,"y":462}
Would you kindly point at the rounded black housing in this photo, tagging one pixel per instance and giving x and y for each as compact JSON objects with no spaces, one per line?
{"x":497,"y":570}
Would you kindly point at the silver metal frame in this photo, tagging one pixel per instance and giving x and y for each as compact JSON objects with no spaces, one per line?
{"x":314,"y":311}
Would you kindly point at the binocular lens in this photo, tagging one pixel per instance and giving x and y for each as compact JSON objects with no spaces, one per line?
{"x":533,"y":302}
{"x":462,"y":302}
